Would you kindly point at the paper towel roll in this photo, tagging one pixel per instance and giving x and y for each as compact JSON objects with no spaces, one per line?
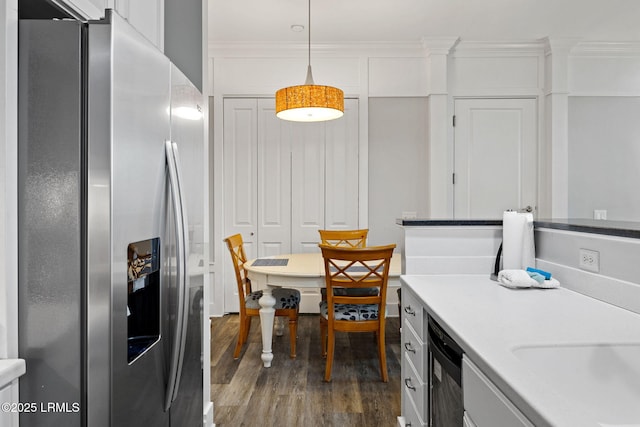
{"x":518,"y":249}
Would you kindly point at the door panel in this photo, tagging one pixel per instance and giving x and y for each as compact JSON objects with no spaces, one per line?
{"x":308,"y":187}
{"x":495,"y":160}
{"x":341,"y":201}
{"x":274,"y":182}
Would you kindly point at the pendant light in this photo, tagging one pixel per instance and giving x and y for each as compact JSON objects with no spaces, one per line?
{"x":309,"y":102}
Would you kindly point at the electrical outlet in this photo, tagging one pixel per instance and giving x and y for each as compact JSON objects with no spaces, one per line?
{"x":409,"y":215}
{"x":589,"y":260}
{"x":600,"y":214}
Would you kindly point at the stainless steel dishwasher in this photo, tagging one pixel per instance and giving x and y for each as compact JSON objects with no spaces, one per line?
{"x":445,"y":378}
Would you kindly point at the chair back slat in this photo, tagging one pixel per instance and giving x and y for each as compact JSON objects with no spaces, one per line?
{"x":344,"y":238}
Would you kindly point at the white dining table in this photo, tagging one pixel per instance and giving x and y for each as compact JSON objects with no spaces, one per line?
{"x":302,"y":270}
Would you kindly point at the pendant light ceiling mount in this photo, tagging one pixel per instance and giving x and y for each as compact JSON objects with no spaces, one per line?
{"x":309,"y":102}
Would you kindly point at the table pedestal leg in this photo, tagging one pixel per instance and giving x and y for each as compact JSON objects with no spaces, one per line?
{"x":267,"y":314}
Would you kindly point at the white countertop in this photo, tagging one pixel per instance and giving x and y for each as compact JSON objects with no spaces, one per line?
{"x":10,"y":369}
{"x":489,"y":321}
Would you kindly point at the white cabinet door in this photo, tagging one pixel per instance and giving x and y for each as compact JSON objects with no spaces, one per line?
{"x":495,"y":156}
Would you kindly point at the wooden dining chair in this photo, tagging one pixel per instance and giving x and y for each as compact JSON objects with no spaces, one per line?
{"x":344,"y":238}
{"x":354,"y":269}
{"x":287,"y":300}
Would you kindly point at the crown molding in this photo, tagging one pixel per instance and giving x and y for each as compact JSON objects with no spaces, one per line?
{"x":499,"y":48}
{"x":294,"y":49}
{"x":629,"y":49}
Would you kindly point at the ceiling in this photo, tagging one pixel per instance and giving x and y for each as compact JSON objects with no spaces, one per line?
{"x":359,"y":21}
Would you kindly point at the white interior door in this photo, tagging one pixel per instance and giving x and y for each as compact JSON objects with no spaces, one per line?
{"x":495,"y":156}
{"x":240,"y":185}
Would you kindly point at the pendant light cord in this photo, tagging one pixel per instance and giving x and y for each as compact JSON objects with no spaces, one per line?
{"x":309,"y":32}
{"x":309,"y":80}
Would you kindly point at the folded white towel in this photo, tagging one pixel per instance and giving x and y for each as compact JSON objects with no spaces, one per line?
{"x":516,"y":279}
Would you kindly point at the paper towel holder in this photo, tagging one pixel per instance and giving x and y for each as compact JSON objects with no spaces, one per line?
{"x":496,"y":266}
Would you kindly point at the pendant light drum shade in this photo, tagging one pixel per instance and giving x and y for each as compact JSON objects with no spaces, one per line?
{"x":309,"y":103}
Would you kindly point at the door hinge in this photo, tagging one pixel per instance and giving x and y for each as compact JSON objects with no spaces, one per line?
{"x":454,"y":120}
{"x":453,"y":178}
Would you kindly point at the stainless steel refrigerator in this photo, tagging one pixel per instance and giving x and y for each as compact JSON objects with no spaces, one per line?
{"x":110,"y":229}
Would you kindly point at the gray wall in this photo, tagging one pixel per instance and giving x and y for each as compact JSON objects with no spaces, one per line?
{"x":398,"y":171}
{"x":604,"y":157}
{"x":183,"y":37}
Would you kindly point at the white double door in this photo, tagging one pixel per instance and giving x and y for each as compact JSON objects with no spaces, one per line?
{"x":283,"y":181}
{"x":495,"y":156}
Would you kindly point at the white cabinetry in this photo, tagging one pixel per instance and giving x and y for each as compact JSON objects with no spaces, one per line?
{"x":284,"y":181}
{"x":484,"y":404}
{"x":415,"y":369}
{"x":146,"y":16}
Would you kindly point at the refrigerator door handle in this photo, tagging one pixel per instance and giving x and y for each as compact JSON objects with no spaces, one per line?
{"x":179,"y":336}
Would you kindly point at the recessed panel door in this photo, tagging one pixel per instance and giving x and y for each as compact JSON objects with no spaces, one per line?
{"x":240,"y":184}
{"x":495,"y":160}
{"x":274,"y":181}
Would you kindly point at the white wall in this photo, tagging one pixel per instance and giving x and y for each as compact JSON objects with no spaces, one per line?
{"x":397,"y":144}
{"x":604,"y":157}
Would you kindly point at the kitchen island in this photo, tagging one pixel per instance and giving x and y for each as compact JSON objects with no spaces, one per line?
{"x":556,"y":357}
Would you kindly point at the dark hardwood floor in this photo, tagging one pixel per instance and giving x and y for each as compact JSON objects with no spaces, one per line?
{"x":292,"y":392}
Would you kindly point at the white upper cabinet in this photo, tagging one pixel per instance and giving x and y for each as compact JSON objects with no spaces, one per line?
{"x":146,"y":16}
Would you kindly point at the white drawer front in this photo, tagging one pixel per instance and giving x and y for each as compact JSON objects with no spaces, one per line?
{"x":414,"y":387}
{"x":415,"y":350}
{"x":412,"y":418}
{"x":484,"y":403}
{"x":413,"y":313}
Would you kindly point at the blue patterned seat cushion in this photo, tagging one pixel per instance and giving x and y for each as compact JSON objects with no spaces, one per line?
{"x":285,"y":298}
{"x":350,"y":311}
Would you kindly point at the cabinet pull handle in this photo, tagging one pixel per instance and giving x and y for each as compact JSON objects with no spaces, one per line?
{"x":407,"y":383}
{"x":409,"y":310}
{"x":409,"y":347}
